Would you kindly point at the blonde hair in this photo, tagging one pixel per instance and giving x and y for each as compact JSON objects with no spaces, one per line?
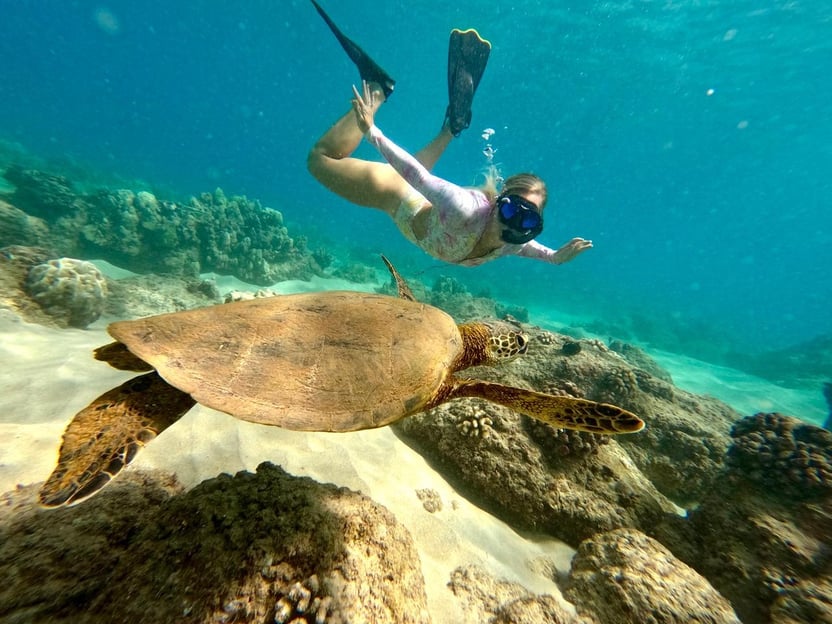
{"x":517,"y":184}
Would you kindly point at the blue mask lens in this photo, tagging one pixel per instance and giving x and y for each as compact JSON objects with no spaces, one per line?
{"x":521,"y":217}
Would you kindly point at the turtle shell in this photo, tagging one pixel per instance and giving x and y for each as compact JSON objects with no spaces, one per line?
{"x":326,"y":361}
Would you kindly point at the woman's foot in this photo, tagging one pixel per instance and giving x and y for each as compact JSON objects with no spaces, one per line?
{"x":368,"y":69}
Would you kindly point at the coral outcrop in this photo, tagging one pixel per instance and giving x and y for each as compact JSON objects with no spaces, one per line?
{"x":41,"y":194}
{"x":264,"y":547}
{"x":626,"y":577}
{"x":761,"y":535}
{"x":682,"y":447}
{"x":507,"y":472}
{"x":492,"y":601}
{"x":19,"y":228}
{"x":145,"y":234}
{"x":568,"y":484}
{"x":15,"y":263}
{"x":72,"y":291}
{"x":783,"y":455}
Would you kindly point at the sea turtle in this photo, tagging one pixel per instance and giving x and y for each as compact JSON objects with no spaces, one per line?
{"x":323,"y":361}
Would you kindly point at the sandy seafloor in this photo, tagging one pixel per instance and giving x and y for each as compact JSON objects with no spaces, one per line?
{"x":49,"y":374}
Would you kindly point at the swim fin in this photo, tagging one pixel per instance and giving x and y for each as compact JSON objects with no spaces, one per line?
{"x":367,"y":67}
{"x":467,"y":57}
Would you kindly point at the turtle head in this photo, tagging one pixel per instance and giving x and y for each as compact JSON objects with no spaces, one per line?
{"x":505,"y":342}
{"x":490,"y":342}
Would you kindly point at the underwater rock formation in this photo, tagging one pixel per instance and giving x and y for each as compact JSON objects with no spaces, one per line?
{"x":264,"y":547}
{"x":796,"y":365}
{"x":567,"y":484}
{"x":27,"y":289}
{"x":784,"y":455}
{"x":72,"y":291}
{"x":141,"y":233}
{"x":40,"y":194}
{"x":626,"y":577}
{"x":506,"y":472}
{"x":19,"y":228}
{"x":680,"y":450}
{"x":638,"y":358}
{"x":15,"y":262}
{"x":491,"y":601}
{"x":762,"y":533}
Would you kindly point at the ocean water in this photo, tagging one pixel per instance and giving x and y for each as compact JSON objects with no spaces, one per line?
{"x":691,"y":140}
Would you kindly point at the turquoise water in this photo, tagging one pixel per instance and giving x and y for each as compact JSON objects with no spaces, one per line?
{"x":690,"y":140}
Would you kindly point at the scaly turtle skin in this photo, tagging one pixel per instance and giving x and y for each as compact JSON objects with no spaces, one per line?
{"x":326,"y":361}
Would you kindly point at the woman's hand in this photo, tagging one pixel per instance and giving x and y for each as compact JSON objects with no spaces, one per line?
{"x":364,"y":107}
{"x":571,"y":250}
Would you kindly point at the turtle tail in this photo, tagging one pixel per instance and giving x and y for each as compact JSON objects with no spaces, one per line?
{"x":106,"y":435}
{"x":559,"y":411}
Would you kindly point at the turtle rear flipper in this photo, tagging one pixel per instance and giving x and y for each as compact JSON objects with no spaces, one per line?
{"x":558,"y":411}
{"x":119,"y":356}
{"x":106,"y":435}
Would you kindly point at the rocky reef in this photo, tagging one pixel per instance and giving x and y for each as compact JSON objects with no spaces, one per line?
{"x":762,"y":532}
{"x":67,"y":292}
{"x":145,"y":234}
{"x":264,"y":547}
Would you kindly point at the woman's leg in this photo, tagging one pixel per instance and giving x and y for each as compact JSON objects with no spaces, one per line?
{"x":362,"y":182}
{"x":430,"y":153}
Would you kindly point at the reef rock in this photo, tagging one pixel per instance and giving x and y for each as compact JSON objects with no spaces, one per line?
{"x":532,"y":475}
{"x":15,"y":262}
{"x":72,"y":291}
{"x":264,"y":547}
{"x":144,"y":234}
{"x":491,"y":601}
{"x":639,"y":359}
{"x":19,"y":228}
{"x":41,"y":194}
{"x":568,"y":484}
{"x":682,"y":447}
{"x":624,"y":577}
{"x":762,"y":533}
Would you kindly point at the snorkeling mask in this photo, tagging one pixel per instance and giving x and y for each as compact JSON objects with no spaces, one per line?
{"x":521,"y":217}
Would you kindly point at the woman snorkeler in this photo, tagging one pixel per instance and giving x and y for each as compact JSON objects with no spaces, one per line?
{"x":467,"y":226}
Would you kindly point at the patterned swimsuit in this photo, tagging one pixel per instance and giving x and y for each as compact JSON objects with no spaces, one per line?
{"x":459,"y":215}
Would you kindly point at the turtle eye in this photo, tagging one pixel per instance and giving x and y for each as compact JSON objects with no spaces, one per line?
{"x":522,"y":343}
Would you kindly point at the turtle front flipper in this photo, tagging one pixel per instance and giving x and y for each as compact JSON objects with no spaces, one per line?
{"x":106,"y":435}
{"x":558,"y":411}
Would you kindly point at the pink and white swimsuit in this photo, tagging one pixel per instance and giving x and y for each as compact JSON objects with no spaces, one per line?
{"x":459,"y":215}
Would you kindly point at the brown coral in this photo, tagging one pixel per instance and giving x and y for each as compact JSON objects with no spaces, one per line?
{"x":783,"y":454}
{"x":72,"y":291}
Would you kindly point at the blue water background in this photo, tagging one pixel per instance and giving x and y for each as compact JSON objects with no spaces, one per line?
{"x":690,"y":140}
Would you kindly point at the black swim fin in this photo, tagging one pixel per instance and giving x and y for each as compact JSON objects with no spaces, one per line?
{"x":467,"y":58}
{"x":368,"y":69}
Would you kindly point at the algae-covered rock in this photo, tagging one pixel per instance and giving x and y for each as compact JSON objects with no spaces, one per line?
{"x":19,"y":228}
{"x":762,"y":533}
{"x":145,"y":234}
{"x":488,"y":600}
{"x":264,"y":547}
{"x":626,"y":577}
